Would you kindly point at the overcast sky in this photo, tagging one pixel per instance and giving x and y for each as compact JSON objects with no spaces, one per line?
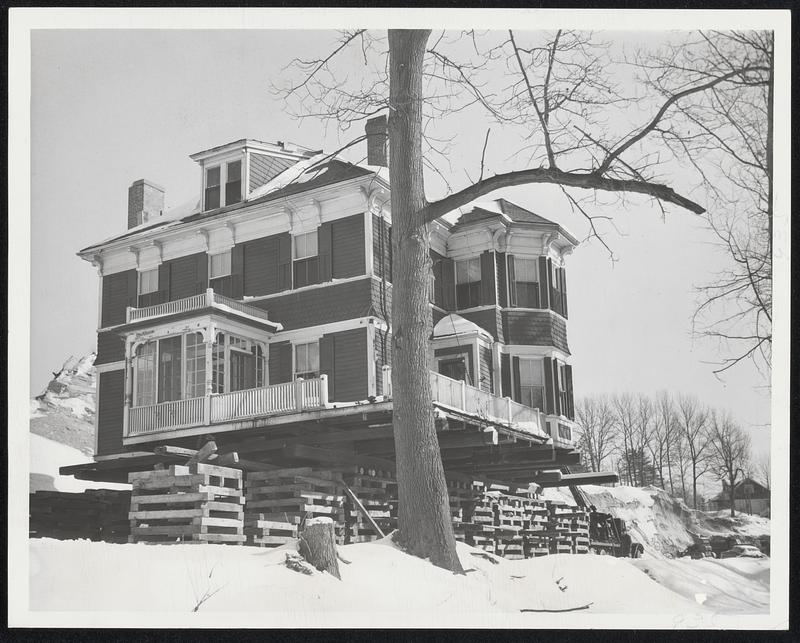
{"x":109,"y":107}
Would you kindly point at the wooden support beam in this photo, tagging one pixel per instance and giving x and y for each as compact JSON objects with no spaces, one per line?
{"x":205,"y":452}
{"x":335,"y":456}
{"x":360,"y":508}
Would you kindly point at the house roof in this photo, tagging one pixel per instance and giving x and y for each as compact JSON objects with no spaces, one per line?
{"x":759,"y":491}
{"x":508,"y":213}
{"x":326,"y":173}
{"x":454,"y":324}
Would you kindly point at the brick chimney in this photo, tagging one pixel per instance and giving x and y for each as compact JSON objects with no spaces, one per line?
{"x":377,"y":131}
{"x":145,"y":202}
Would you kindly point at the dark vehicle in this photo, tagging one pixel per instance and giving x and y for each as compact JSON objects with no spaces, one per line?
{"x":743,"y":551}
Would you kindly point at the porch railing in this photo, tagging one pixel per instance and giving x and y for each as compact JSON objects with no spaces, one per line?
{"x":208,"y":299}
{"x":290,"y":397}
{"x":177,"y":414}
{"x":460,"y":396}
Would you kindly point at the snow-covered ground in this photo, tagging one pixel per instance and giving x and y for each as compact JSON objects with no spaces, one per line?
{"x":381,"y":579}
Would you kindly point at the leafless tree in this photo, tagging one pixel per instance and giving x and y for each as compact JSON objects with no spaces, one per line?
{"x":729,"y":452}
{"x":762,"y":471}
{"x":665,"y":434}
{"x":598,"y":430}
{"x":726,"y":134}
{"x":556,"y":91}
{"x":693,"y":423}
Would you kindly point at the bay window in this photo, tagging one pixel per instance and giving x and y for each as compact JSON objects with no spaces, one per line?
{"x":468,"y":283}
{"x":306,"y":259}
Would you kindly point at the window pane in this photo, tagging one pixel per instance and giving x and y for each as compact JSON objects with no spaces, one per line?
{"x":169,"y":369}
{"x":306,"y":361}
{"x":468,"y":271}
{"x":305,"y":245}
{"x":526,"y":270}
{"x":195,"y":365}
{"x":234,"y":171}
{"x":148,"y":281}
{"x":212,"y":177}
{"x":218,"y":365}
{"x":221,"y":264}
{"x":145,"y":369}
{"x":212,"y":198}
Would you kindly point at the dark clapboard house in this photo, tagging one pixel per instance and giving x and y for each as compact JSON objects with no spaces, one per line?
{"x":261,"y":319}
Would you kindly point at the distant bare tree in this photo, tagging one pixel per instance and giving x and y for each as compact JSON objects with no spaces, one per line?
{"x":726,"y":135}
{"x":693,"y":423}
{"x":598,"y":430}
{"x":663,"y":437}
{"x":762,"y":471}
{"x":624,"y":406}
{"x":729,"y":452}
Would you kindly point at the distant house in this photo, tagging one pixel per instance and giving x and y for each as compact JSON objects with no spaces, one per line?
{"x":749,"y":497}
{"x":263,"y":318}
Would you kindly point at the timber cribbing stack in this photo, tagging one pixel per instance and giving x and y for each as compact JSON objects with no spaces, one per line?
{"x":192,"y":503}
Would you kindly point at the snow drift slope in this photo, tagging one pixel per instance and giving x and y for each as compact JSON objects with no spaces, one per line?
{"x":64,"y":411}
{"x":664,"y":525}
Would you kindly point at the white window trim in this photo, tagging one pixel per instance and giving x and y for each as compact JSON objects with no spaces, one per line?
{"x":294,"y":355}
{"x":222,"y":164}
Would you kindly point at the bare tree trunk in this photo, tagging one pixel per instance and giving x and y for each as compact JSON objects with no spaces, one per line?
{"x":425,"y":527}
{"x":317,"y":545}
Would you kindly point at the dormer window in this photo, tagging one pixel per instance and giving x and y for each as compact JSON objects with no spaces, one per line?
{"x":306,"y":259}
{"x":227,"y":174}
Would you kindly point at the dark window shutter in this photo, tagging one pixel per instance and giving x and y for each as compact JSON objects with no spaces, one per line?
{"x":284,"y":261}
{"x":512,"y":281}
{"x":237,"y":271}
{"x":488,"y":284}
{"x":202,"y":273}
{"x":164,"y":279}
{"x":326,"y":363}
{"x":505,"y":374}
{"x":133,"y":288}
{"x":549,"y":388}
{"x":563,"y":291}
{"x":502,"y":292}
{"x":325,"y":252}
{"x":280,"y":362}
{"x":570,"y":399}
{"x":517,"y":397}
{"x":448,"y":284}
{"x":544,"y":283}
{"x":556,"y":391}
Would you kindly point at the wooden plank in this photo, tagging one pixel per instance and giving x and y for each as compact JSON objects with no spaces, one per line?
{"x":363,"y":511}
{"x":208,"y":449}
{"x":163,"y":482}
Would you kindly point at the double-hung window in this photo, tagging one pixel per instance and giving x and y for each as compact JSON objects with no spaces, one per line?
{"x":531,"y":383}
{"x":306,"y":259}
{"x":306,"y":360}
{"x":563,"y":388}
{"x":233,"y":182}
{"x":148,"y":288}
{"x":468,"y":283}
{"x":220,"y":265}
{"x":526,"y":283}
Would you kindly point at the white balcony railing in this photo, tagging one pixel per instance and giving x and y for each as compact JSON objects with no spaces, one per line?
{"x":178,"y":414}
{"x":291,"y":397}
{"x":208,"y":299}
{"x":460,"y":396}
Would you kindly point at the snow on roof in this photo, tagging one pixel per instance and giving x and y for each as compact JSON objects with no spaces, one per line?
{"x":300,"y":172}
{"x":454,"y":324}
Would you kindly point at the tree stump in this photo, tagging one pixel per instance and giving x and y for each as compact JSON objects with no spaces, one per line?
{"x":317,"y":544}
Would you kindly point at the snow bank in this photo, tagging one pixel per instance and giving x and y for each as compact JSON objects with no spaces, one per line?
{"x":46,"y":456}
